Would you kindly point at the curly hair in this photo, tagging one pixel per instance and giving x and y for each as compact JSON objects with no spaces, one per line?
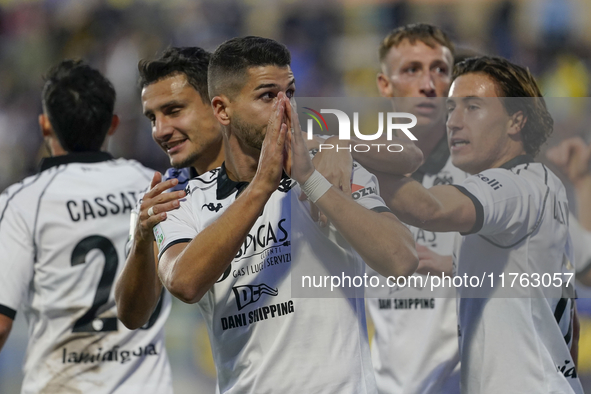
{"x":513,"y":83}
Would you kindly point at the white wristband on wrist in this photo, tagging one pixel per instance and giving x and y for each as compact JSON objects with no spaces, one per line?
{"x":315,"y":186}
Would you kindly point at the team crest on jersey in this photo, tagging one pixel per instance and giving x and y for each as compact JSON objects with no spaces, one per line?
{"x":212,"y":207}
{"x":285,"y":185}
{"x":443,"y":180}
{"x":248,"y":294}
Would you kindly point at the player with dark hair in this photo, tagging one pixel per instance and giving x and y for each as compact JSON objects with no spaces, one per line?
{"x":175,"y":100}
{"x":80,"y":123}
{"x":172,"y":86}
{"x":62,"y":239}
{"x":512,"y":339}
{"x":229,"y":246}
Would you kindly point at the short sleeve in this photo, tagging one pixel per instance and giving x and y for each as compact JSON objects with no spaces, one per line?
{"x":365,"y":189}
{"x":505,"y":206}
{"x":180,"y":226}
{"x":16,"y":258}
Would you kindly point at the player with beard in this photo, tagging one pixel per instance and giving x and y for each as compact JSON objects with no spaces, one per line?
{"x":210,"y":248}
{"x":512,"y":338}
{"x":175,"y":100}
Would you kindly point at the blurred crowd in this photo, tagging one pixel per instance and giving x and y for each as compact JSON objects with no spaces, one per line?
{"x":333,"y":45}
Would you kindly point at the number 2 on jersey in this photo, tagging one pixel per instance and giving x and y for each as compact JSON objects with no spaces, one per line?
{"x":89,"y":322}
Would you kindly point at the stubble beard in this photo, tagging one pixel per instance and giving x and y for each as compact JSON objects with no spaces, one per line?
{"x":249,"y":134}
{"x":187,"y":162}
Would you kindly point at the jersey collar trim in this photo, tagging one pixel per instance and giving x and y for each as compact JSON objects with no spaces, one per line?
{"x":193,"y":172}
{"x":226,"y":186}
{"x":84,"y":157}
{"x":514,"y":162}
{"x":435,"y":162}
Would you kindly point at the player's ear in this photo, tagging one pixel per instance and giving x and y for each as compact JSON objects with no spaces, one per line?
{"x":45,"y":126}
{"x":221,"y":109}
{"x":517,"y":122}
{"x":384,"y":86}
{"x":114,"y":125}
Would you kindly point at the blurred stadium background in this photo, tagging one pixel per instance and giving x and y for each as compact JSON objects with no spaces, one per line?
{"x":334,"y":48}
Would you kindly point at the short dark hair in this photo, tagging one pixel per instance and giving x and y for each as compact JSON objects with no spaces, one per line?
{"x":190,"y":61}
{"x":231,"y":60}
{"x":79,"y":102}
{"x":512,"y":80}
{"x":428,"y":34}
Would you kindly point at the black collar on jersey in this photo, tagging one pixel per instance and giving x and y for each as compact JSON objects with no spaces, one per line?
{"x":435,"y":162}
{"x":77,"y":157}
{"x":193,"y":172}
{"x":226,"y":186}
{"x":523,"y":159}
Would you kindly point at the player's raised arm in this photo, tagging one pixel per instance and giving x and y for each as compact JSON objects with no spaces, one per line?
{"x":381,"y":240}
{"x":138,"y":289}
{"x":440,"y":208}
{"x":335,"y":165}
{"x":189,"y":270}
{"x":406,"y":161}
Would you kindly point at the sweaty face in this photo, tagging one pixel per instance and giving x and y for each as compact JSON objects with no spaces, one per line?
{"x":182,"y":124}
{"x":477,"y":125}
{"x":420,"y":74}
{"x":251,"y":108}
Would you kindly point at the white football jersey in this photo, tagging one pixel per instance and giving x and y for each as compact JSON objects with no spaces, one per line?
{"x":265,"y":340}
{"x":415,"y":345}
{"x":62,"y":238}
{"x":515,"y":337}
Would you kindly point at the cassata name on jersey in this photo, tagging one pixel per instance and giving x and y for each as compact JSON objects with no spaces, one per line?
{"x":261,"y":237}
{"x":101,"y":206}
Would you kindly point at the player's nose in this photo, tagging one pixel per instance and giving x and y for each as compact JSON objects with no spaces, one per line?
{"x":454,"y":120}
{"x":427,"y":85}
{"x":162,"y":129}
